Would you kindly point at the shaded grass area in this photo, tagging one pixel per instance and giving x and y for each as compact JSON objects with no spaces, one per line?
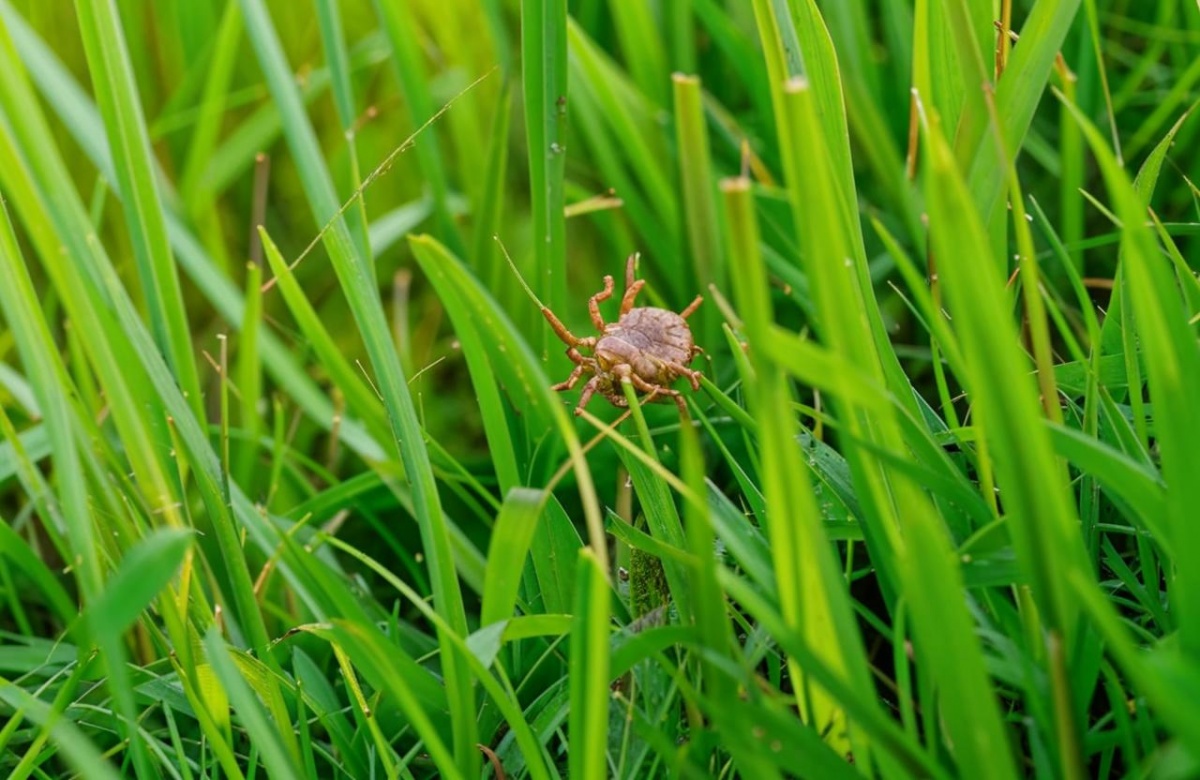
{"x":284,"y":487}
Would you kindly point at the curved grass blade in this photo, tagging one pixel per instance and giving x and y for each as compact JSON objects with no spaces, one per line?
{"x":113,"y":81}
{"x":515,"y":365}
{"x":1172,"y":362}
{"x":357,"y":280}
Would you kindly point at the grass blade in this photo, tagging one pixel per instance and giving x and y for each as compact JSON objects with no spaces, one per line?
{"x":112,"y":78}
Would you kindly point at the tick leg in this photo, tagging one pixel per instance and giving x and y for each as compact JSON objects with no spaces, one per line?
{"x":582,"y":364}
{"x":594,"y":303}
{"x":569,"y":338}
{"x":693,"y":377}
{"x":571,"y":380}
{"x":646,"y":387}
{"x":632,"y":286}
{"x":692,"y":306}
{"x":658,"y":390}
{"x":588,"y":390}
{"x":631,"y":292}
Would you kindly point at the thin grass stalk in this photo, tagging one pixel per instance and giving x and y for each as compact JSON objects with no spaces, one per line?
{"x":1031,"y":281}
{"x":249,"y":376}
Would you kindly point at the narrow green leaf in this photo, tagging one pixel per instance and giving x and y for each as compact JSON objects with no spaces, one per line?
{"x":116,"y":93}
{"x":511,"y":537}
{"x":544,"y":77}
{"x":264,"y":734}
{"x":145,"y":570}
{"x":589,"y":671}
{"x":357,"y":280}
{"x":1172,"y":361}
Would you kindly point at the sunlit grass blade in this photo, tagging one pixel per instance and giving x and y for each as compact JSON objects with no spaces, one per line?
{"x":922,"y":562}
{"x":701,"y":217}
{"x":359,"y":396}
{"x":804,"y":570}
{"x":143,"y":573}
{"x":113,"y":81}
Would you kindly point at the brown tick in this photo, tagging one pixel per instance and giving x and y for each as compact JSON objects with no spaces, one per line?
{"x":650,"y":347}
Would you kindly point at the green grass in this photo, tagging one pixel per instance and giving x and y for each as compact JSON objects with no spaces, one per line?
{"x":285,"y":492}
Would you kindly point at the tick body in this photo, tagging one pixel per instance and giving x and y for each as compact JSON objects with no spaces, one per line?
{"x":650,"y":347}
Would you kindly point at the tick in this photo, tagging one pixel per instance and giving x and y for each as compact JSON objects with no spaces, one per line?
{"x":648,"y":346}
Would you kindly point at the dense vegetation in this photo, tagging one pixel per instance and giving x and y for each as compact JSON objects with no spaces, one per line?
{"x":299,"y":500}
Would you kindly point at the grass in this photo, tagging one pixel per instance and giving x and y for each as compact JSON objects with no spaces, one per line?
{"x":284,"y":489}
